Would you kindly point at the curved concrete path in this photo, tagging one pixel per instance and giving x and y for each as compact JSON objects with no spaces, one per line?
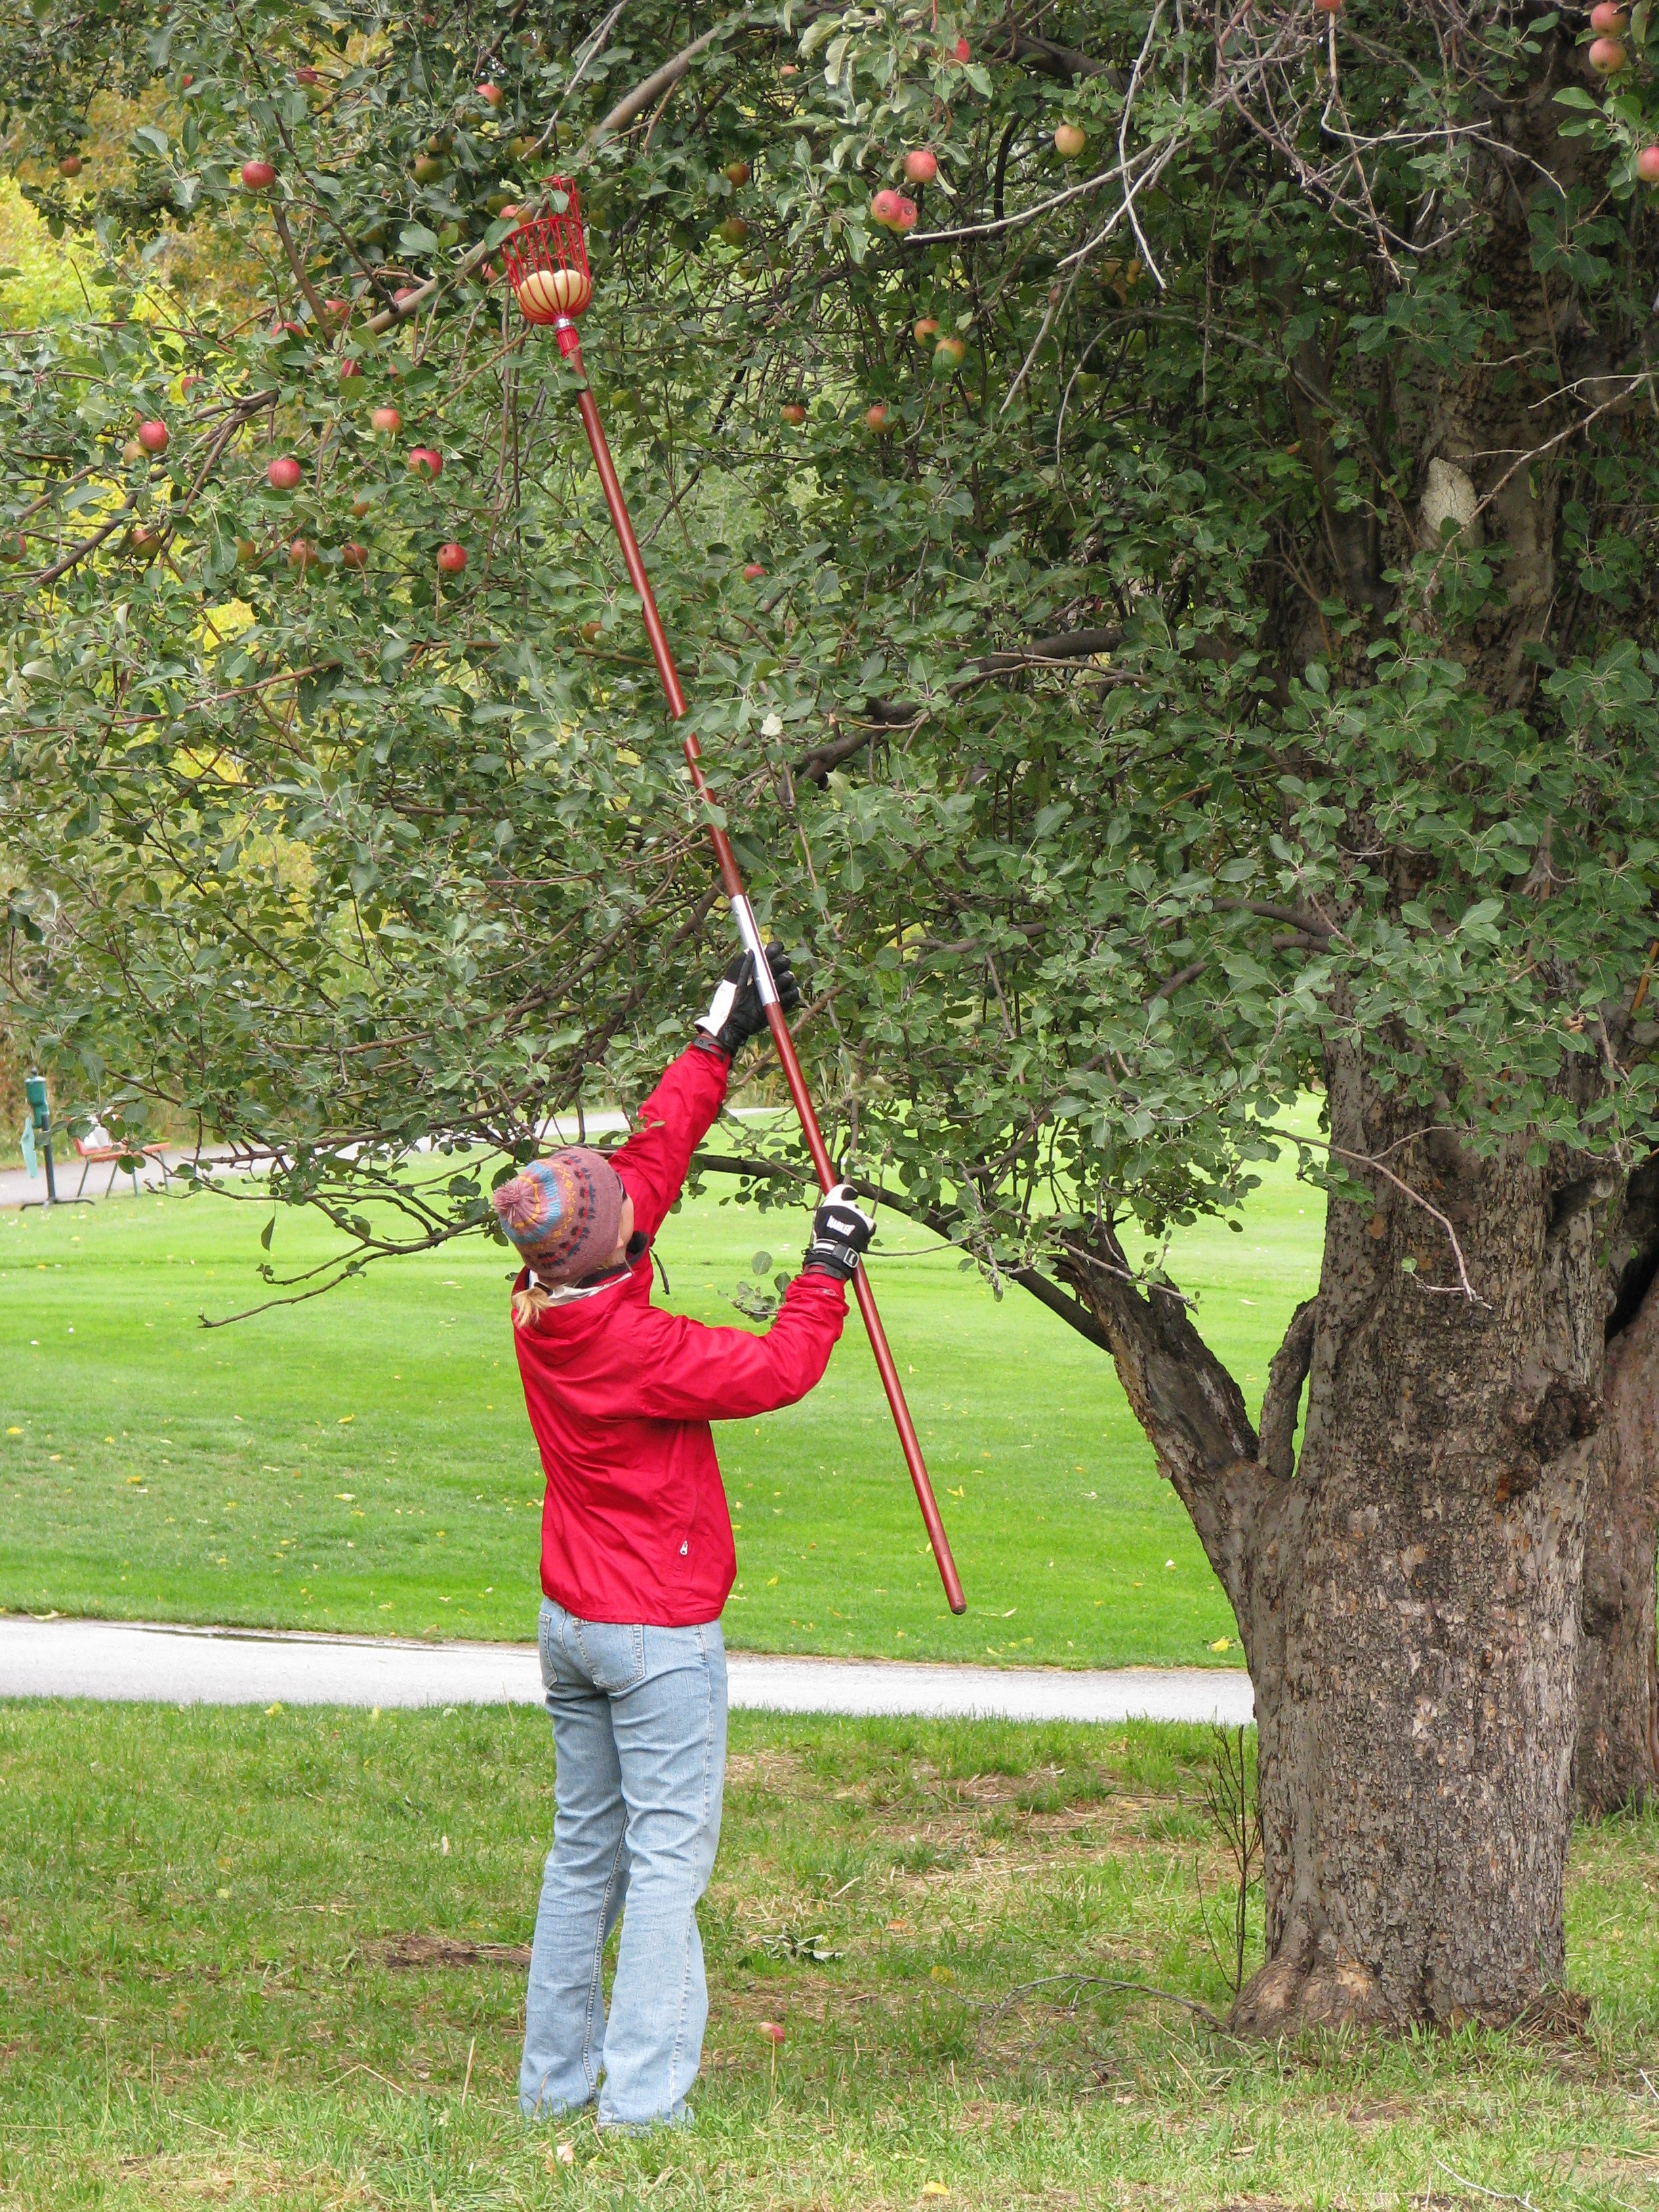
{"x":150,"y":1663}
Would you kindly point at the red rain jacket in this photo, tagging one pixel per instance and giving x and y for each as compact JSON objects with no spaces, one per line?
{"x":635,"y":1526}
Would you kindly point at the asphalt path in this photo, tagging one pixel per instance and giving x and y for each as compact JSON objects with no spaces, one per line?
{"x":145,"y":1662}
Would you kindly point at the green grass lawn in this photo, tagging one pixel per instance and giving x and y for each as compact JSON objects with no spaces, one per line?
{"x":364,"y":1462}
{"x":201,"y":2000}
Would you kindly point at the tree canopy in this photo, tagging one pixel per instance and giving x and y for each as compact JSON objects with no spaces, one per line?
{"x":1143,"y":696}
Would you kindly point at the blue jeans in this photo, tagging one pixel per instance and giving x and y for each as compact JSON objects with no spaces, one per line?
{"x":639,"y":1741}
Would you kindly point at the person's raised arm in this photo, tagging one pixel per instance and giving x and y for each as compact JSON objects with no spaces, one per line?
{"x":676,"y":1117}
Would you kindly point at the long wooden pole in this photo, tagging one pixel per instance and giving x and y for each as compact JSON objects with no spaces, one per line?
{"x":744,"y":915}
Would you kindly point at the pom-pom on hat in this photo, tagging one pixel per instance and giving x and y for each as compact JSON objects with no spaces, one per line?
{"x":563,"y":1213}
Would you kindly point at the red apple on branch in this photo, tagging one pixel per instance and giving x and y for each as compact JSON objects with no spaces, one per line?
{"x":285,"y":473}
{"x":425,"y":461}
{"x":1607,"y":57}
{"x":921,"y":165}
{"x":879,"y":418}
{"x":1608,"y":16}
{"x":491,"y":94}
{"x":386,"y":419}
{"x":154,"y":437}
{"x":734,"y":230}
{"x":962,"y":50}
{"x":906,"y":218}
{"x":926,"y":327}
{"x":301,"y":556}
{"x":1647,"y":165}
{"x":452,"y":558}
{"x":753,"y":571}
{"x":793,"y":413}
{"x":949,"y":354}
{"x":1069,"y":141}
{"x":352,"y":555}
{"x":305,"y":75}
{"x":257,"y":176}
{"x":69,"y":165}
{"x":884,"y":208}
{"x":738,"y":172}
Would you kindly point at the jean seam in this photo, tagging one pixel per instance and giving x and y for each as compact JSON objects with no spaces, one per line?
{"x":708,"y":1748}
{"x":593,"y":1987}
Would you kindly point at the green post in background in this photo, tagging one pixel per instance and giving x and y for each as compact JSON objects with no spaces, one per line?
{"x":34,"y":1090}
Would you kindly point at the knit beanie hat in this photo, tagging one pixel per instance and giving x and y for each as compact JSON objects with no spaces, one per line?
{"x":563,"y":1213}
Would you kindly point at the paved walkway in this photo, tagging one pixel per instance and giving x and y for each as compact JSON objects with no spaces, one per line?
{"x":152,"y":1664}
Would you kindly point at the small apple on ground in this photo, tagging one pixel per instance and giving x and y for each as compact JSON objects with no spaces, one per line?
{"x":926,"y":327}
{"x":452,"y":558}
{"x":284,"y":473}
{"x":425,"y":461}
{"x":921,"y":165}
{"x":69,"y":165}
{"x":793,"y":413}
{"x":1069,"y":141}
{"x":352,"y":555}
{"x":752,"y":571}
{"x":257,"y":176}
{"x":386,"y":420}
{"x":738,"y":172}
{"x":1607,"y":57}
{"x":154,"y":437}
{"x":1647,"y":165}
{"x":879,"y":418}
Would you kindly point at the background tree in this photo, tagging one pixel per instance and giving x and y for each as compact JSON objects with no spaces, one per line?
{"x":1159,"y":505}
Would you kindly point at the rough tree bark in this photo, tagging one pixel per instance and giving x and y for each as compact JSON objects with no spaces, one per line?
{"x":1617,"y":1762}
{"x":1409,"y":1599}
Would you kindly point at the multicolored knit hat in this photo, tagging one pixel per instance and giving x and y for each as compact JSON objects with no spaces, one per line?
{"x":564,"y":1213}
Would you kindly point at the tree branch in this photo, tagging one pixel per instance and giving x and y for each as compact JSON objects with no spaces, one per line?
{"x":1286,"y":1377}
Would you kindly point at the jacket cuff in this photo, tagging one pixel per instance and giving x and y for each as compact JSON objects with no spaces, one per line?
{"x":705,"y":1041}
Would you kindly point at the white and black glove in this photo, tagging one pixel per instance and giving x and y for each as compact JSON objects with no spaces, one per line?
{"x":735,"y":1012}
{"x":842,"y":1230}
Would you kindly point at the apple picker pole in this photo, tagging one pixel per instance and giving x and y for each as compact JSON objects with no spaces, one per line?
{"x":547,"y":266}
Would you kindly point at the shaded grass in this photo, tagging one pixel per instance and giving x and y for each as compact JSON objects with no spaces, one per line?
{"x":196,"y":2009}
{"x":364,"y":1462}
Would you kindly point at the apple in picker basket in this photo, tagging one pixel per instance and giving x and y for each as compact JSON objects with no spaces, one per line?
{"x":386,"y":419}
{"x":546,"y":293}
{"x":1647,"y":165}
{"x":284,"y":473}
{"x":452,"y":558}
{"x":921,"y":165}
{"x":425,"y":461}
{"x":153,"y":437}
{"x":257,"y":176}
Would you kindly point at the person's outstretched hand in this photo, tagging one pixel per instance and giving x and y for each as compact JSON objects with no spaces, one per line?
{"x":735,"y":1012}
{"x":842,"y":1230}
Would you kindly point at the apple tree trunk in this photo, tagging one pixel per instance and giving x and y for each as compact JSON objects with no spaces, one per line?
{"x":1408,"y":1592}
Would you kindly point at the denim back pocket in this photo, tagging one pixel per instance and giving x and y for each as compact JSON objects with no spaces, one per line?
{"x":611,"y":1653}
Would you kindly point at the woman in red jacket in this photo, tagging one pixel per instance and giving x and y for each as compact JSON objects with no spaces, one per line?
{"x":637,"y":1560}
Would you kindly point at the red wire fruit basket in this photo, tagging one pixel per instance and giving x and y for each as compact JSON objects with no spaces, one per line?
{"x":547,"y":264}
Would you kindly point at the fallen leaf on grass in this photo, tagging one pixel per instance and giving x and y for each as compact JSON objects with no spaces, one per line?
{"x":566,"y":2154}
{"x":934,"y":2189}
{"x":786,"y":1944}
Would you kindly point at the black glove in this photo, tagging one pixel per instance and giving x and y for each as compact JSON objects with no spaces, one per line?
{"x":842,"y":1230}
{"x":735,"y":1012}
